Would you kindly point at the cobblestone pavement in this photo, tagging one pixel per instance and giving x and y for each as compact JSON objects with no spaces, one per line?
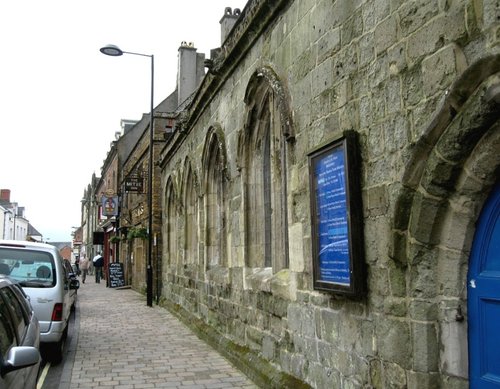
{"x":120,"y":342}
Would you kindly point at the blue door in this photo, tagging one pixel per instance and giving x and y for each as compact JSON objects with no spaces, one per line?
{"x":483,"y":287}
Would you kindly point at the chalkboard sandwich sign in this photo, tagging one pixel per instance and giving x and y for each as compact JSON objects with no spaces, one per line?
{"x":337,"y":217}
{"x":116,"y":278}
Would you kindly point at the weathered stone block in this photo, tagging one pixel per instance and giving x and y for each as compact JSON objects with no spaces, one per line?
{"x":417,"y":380}
{"x":396,"y":55}
{"x":329,"y":322}
{"x":397,"y":279}
{"x":374,"y":12}
{"x":438,"y":32}
{"x":423,"y":310}
{"x":254,"y":337}
{"x":441,"y":68}
{"x":301,"y":320}
{"x":415,"y":14}
{"x":284,"y":286}
{"x":351,"y":29}
{"x":393,"y":376}
{"x":298,"y":365}
{"x":296,"y":252}
{"x":328,"y":44}
{"x":385,"y":34}
{"x":425,"y":211}
{"x":393,"y":339}
{"x":421,"y":275}
{"x":321,"y":377}
{"x":395,"y":307}
{"x":425,"y":347}
{"x":377,"y":201}
{"x":269,"y":347}
{"x":453,"y":359}
{"x":452,"y":272}
{"x":458,"y":229}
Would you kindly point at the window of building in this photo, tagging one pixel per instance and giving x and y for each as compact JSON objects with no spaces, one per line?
{"x":264,"y":163}
{"x":171,"y":224}
{"x":215,"y":234}
{"x":191,"y":216}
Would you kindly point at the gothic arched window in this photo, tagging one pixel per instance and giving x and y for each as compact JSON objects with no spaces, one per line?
{"x":264,"y":161}
{"x":214,"y":170}
{"x":190,"y":215}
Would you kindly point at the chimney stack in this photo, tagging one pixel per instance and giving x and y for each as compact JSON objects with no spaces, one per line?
{"x":190,"y":71}
{"x":5,"y":195}
{"x":228,"y":21}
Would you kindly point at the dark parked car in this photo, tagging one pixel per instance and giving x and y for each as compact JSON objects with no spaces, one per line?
{"x":19,"y":338}
{"x":72,"y":275}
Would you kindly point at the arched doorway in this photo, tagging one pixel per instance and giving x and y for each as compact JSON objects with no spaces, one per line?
{"x":483,"y":287}
{"x":452,"y":170}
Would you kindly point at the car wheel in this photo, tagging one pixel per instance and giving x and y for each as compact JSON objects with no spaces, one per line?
{"x":54,"y":351}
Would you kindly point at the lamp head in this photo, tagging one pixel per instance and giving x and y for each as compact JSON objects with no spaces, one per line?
{"x":111,"y":50}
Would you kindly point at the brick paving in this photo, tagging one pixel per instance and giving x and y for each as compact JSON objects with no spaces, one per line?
{"x":120,"y":342}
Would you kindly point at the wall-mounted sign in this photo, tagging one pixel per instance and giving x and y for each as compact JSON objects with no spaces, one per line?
{"x":109,"y":205}
{"x":98,"y":237}
{"x":336,"y":212}
{"x":134,"y":184}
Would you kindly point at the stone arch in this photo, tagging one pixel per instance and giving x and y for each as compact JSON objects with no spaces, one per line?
{"x":267,"y":76}
{"x":190,"y":194}
{"x":263,"y":157}
{"x":452,"y":169}
{"x":215,"y":138}
{"x":465,"y":116}
{"x":215,"y":176}
{"x":170,"y":224}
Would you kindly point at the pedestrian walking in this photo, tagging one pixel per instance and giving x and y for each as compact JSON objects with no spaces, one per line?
{"x":77,"y":265}
{"x":98,"y":262}
{"x":84,"y":267}
{"x":91,"y":268}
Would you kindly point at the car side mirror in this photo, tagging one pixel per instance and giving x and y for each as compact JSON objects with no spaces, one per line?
{"x":19,"y":358}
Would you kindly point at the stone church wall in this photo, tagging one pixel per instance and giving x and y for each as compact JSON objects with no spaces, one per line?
{"x":411,"y":78}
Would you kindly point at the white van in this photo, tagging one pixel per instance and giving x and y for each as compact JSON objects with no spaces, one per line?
{"x":40,"y":270}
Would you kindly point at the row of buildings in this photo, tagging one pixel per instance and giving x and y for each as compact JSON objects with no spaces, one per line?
{"x":13,"y":222}
{"x":14,"y":225}
{"x":325,"y":194}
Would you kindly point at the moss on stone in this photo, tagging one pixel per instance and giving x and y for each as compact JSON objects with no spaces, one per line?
{"x":259,"y":370}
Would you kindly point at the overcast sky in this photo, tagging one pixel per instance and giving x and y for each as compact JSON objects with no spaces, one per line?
{"x":61,"y":100}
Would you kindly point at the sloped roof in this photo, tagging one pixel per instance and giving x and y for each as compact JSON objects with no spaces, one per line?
{"x":32,"y":231}
{"x":60,"y":245}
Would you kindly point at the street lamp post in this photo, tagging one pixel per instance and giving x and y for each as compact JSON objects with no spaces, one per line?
{"x":115,"y":51}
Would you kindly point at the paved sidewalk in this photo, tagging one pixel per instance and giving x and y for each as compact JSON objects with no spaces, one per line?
{"x":120,"y":342}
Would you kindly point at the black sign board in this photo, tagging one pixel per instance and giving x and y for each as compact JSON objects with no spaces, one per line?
{"x":98,"y":237}
{"x":134,"y":184}
{"x":116,"y":278}
{"x":336,"y":212}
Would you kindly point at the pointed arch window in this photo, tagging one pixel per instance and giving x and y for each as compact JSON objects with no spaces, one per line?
{"x":170,"y":224}
{"x":214,"y":170}
{"x":191,"y":216}
{"x":265,"y":186}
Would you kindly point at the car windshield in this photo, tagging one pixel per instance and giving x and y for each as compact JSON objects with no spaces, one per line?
{"x":29,"y":267}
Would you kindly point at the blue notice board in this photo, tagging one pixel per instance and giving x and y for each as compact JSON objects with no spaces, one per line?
{"x":333,"y":226}
{"x":336,"y":217}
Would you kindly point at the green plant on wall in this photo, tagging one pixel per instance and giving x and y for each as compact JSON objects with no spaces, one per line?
{"x":114,"y":239}
{"x":137,"y":232}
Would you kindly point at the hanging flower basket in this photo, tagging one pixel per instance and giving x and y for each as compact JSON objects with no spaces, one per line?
{"x":137,"y":232}
{"x":115,"y":239}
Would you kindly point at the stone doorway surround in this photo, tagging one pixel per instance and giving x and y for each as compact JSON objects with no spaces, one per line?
{"x":452,"y":170}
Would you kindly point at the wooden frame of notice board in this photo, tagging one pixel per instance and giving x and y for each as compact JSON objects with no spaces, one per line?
{"x":337,"y":217}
